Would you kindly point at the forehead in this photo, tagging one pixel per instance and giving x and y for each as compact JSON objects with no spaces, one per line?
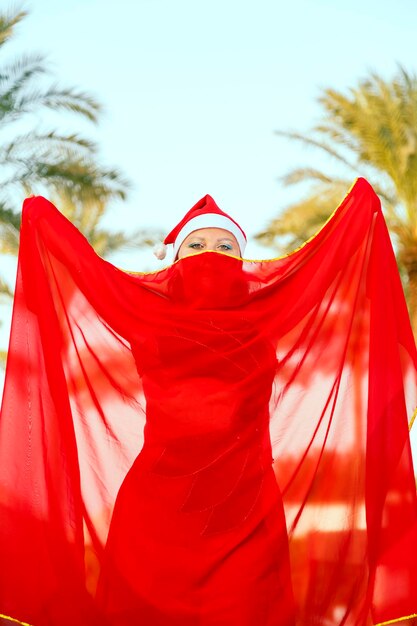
{"x":218,"y":233}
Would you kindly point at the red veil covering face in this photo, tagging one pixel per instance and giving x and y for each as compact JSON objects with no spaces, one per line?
{"x":227,"y":369}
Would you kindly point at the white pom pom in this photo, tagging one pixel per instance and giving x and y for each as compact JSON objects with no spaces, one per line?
{"x":160,"y":251}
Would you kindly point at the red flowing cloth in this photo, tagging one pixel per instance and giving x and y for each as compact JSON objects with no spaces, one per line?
{"x":219,"y":443}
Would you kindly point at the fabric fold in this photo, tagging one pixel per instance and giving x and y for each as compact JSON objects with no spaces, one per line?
{"x":219,"y":440}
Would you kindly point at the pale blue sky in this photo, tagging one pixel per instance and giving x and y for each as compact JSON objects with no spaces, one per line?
{"x":193,"y":90}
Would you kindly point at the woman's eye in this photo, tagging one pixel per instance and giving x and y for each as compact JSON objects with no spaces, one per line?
{"x":225,"y":246}
{"x":195,"y":246}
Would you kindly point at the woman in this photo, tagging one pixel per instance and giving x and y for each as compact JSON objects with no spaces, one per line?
{"x":208,"y":545}
{"x":262,"y":387}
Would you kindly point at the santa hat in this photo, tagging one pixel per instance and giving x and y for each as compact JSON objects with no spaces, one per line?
{"x":204,"y":214}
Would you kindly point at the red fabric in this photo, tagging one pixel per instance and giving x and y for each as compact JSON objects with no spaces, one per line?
{"x":142,"y":413}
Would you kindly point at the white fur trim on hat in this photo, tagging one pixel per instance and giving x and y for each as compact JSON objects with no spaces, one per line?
{"x":210,"y":220}
{"x":160,"y":251}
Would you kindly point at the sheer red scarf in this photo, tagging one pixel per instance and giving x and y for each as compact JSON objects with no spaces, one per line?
{"x":316,"y":345}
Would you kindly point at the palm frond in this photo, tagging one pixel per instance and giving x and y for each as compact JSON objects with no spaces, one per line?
{"x":9,"y":239}
{"x":301,"y":220}
{"x":302,"y":174}
{"x":21,"y":98}
{"x":87,"y":216}
{"x":50,"y":162}
{"x":41,"y":145}
{"x":105,"y":243}
{"x":15,"y":74}
{"x":321,"y":144}
{"x":15,"y":79}
{"x":73,"y":100}
{"x":9,"y":217}
{"x":3,"y":358}
{"x":5,"y":289}
{"x":79,"y":178}
{"x":369,"y":129}
{"x":8,"y":20}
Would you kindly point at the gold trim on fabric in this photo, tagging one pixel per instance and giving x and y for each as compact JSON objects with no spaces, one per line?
{"x":283,"y":256}
{"x":395,"y":621}
{"x":412,"y":420}
{"x":13,"y":619}
{"x":392,"y":621}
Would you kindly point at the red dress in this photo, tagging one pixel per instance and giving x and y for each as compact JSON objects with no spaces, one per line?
{"x":221,"y":442}
{"x":199,"y":514}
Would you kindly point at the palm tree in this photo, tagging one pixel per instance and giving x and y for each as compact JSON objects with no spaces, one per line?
{"x":37,"y":160}
{"x":371,"y":131}
{"x":86,"y":214}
